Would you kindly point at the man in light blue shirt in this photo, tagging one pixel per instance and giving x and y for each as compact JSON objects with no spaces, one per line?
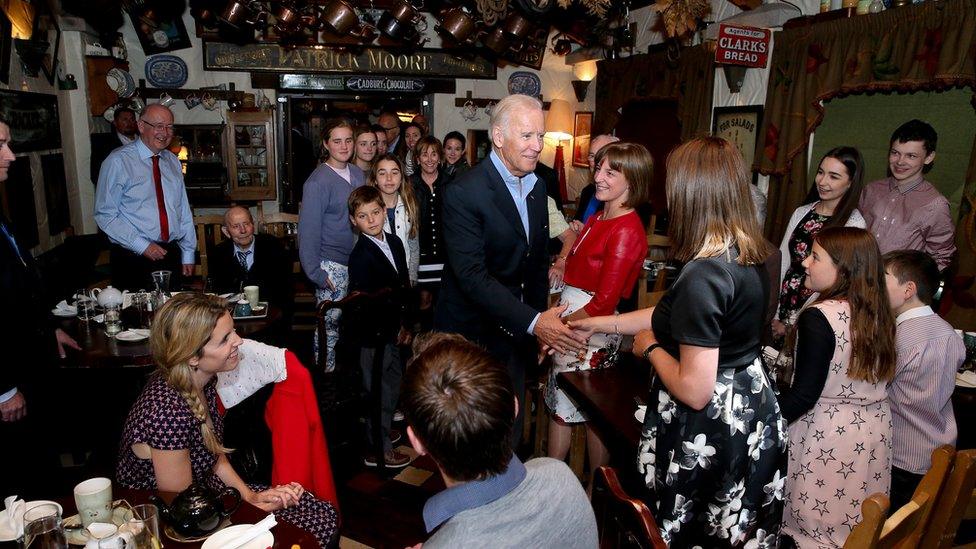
{"x":141,"y":204}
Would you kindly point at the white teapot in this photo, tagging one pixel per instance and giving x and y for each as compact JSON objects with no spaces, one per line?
{"x":110,"y":297}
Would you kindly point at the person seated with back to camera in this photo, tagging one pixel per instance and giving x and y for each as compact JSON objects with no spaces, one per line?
{"x":379,"y":261}
{"x":460,"y":408}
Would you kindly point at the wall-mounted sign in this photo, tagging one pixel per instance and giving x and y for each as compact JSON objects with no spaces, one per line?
{"x":351,"y":83}
{"x":746,"y":46}
{"x":220,"y":56}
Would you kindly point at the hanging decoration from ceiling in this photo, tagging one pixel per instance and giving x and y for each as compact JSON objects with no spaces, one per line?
{"x":492,"y":11}
{"x":594,"y":7}
{"x":681,"y":16}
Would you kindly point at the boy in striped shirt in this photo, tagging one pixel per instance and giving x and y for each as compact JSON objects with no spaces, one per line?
{"x":928,"y":352}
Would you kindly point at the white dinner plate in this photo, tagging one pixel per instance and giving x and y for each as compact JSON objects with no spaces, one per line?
{"x":64,"y":313}
{"x":223,"y":538}
{"x":137,"y":334}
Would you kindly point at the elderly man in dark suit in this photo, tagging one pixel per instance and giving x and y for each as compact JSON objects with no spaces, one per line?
{"x":123,"y":132}
{"x":495,"y":232}
{"x":28,"y":338}
{"x":249,"y":259}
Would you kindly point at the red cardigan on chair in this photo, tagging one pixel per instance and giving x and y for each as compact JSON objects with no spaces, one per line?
{"x":297,"y":438}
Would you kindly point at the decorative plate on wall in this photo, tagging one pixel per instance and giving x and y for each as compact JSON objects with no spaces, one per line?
{"x":525,"y":83}
{"x":166,"y":71}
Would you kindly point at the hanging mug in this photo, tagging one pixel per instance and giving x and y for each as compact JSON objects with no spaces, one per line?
{"x":469,"y":112}
{"x":516,"y":26}
{"x":209,"y":102}
{"x":488,"y":108}
{"x":166,"y":100}
{"x":191,"y":101}
{"x":235,"y":12}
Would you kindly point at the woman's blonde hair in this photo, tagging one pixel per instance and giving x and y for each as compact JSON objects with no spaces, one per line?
{"x":406,"y":191}
{"x":710,"y":205}
{"x":180,"y":330}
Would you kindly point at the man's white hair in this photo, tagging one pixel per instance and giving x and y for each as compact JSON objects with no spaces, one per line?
{"x":501,"y":113}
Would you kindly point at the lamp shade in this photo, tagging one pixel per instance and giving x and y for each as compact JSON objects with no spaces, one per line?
{"x":559,"y":121}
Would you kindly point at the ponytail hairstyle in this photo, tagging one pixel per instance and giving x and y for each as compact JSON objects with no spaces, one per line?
{"x":861,"y":282}
{"x":180,"y":330}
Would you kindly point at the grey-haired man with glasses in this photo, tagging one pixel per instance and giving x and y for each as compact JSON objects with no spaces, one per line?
{"x":141,"y":204}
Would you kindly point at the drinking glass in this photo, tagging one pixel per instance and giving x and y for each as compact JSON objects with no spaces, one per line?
{"x":85,"y":307}
{"x":144,"y":526}
{"x":43,"y":528}
{"x":113,"y":320}
{"x":140,"y":306}
{"x":161,"y":279}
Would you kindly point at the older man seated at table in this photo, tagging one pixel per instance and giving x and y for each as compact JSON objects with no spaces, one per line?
{"x":460,"y":408}
{"x":247,"y":259}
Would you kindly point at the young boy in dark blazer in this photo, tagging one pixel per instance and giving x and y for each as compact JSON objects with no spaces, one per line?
{"x":378,"y":261}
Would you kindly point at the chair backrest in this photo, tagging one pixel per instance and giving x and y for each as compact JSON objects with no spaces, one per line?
{"x":358,"y":315}
{"x":622,"y":521}
{"x":930,"y":487}
{"x":951,"y":506}
{"x":279,"y":224}
{"x":208,"y":236}
{"x":866,"y":533}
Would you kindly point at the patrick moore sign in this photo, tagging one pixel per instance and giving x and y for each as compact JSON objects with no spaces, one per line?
{"x":222,"y":56}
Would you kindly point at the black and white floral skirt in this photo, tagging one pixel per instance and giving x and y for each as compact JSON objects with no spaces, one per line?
{"x":718,"y":473}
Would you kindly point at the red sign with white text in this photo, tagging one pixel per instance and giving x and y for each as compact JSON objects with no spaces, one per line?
{"x":747,"y":46}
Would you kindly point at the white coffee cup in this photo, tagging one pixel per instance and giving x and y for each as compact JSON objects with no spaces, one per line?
{"x":251,"y":293}
{"x":93,"y":498}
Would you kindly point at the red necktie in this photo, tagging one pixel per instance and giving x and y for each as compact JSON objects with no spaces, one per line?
{"x":160,"y":201}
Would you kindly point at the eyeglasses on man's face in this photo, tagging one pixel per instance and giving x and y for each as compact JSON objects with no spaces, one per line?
{"x":158,"y":127}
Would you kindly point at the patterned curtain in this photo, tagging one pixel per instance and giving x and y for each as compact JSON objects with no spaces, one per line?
{"x":689,"y":78}
{"x":929,"y":46}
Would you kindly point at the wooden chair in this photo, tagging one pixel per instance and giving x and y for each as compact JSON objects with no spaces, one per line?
{"x":279,"y":224}
{"x":622,"y":521}
{"x":955,"y":503}
{"x":905,"y":527}
{"x":208,"y":236}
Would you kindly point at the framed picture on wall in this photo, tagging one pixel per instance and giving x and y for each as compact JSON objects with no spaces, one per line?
{"x":740,"y":126}
{"x":479,"y":145}
{"x":46,"y":26}
{"x":6,"y":42}
{"x":158,"y":33}
{"x":32,"y":118}
{"x":581,"y":138}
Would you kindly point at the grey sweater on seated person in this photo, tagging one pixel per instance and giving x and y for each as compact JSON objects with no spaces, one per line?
{"x":547,"y":509}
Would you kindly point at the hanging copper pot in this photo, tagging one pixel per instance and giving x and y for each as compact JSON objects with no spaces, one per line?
{"x":393,"y":27}
{"x":287,"y":19}
{"x":517,"y":26}
{"x":339,"y":16}
{"x":310,"y":18}
{"x":496,"y":40}
{"x":234,"y":13}
{"x":458,"y":25}
{"x":404,"y":12}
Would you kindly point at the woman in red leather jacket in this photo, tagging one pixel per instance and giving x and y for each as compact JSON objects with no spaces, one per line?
{"x":601,"y":268}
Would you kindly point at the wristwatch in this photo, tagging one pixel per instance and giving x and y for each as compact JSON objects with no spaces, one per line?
{"x":650,"y":349}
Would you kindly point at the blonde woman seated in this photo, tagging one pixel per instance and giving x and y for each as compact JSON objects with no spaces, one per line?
{"x":601,"y":268}
{"x":173,"y":435}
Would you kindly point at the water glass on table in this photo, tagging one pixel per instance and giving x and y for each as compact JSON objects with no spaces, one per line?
{"x":141,"y":309}
{"x":144,"y":526}
{"x":43,"y":528}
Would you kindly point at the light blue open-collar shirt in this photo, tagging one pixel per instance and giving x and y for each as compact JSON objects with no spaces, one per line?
{"x":520,"y":188}
{"x":125,"y":200}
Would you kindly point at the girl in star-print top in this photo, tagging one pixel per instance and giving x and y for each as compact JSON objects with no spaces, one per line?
{"x":837,"y":405}
{"x":173,"y":435}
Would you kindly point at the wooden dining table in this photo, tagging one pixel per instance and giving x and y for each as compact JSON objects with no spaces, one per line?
{"x":286,"y":535}
{"x":609,"y":398}
{"x":99,"y":350}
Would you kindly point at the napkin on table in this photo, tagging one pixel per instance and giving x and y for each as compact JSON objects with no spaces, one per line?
{"x":267,"y":523}
{"x":64,"y":308}
{"x":12,"y":518}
